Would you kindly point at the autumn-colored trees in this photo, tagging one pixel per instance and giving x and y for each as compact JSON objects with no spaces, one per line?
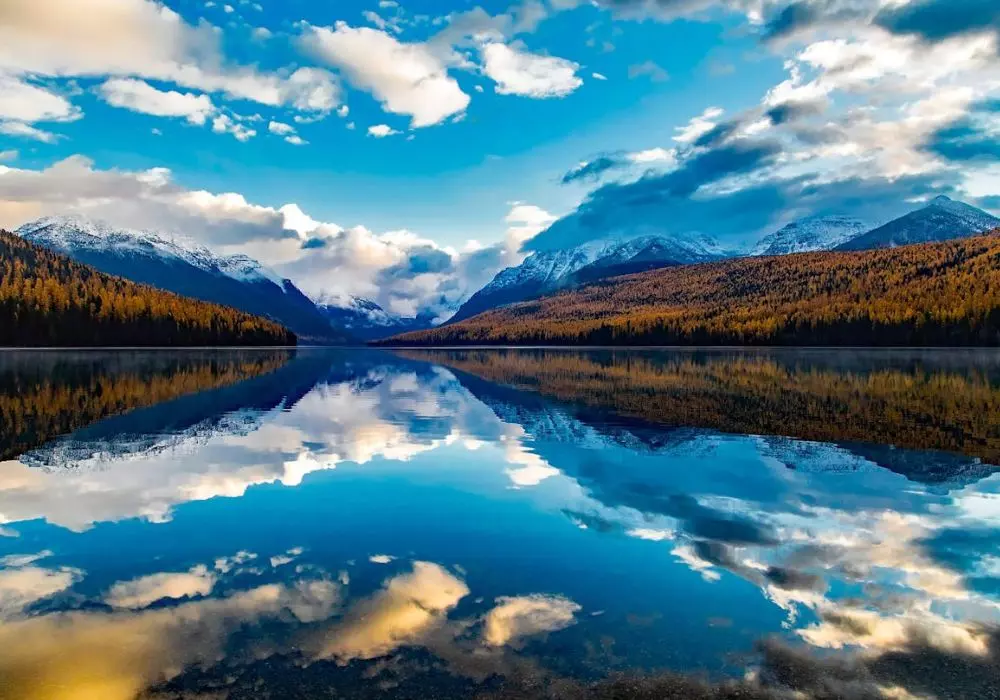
{"x":933,"y":294}
{"x":47,"y":299}
{"x":916,"y":406}
{"x":45,"y":397}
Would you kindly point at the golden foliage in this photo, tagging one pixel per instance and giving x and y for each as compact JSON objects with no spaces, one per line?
{"x":758,"y":395}
{"x":933,"y":294}
{"x":47,"y":299}
{"x":36,"y":406}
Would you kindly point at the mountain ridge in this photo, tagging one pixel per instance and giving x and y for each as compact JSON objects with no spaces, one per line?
{"x":186,"y":268}
{"x":549,"y":271}
{"x":931,"y":294}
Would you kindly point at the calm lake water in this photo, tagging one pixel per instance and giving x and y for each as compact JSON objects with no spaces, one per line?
{"x":504,"y":524}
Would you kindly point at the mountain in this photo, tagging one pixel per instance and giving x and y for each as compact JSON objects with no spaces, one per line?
{"x":366,"y":320}
{"x":810,"y":234}
{"x":49,"y":299}
{"x":546,"y":272}
{"x":185,"y":268}
{"x":921,"y":295}
{"x":943,"y":219}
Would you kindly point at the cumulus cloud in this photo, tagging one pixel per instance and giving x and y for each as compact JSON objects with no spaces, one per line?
{"x":115,"y":656}
{"x":407,"y":608}
{"x":27,"y":102}
{"x":145,"y":39}
{"x":26,"y":584}
{"x":407,"y":78}
{"x":399,"y":269}
{"x":523,"y":616}
{"x":380,"y":131}
{"x":517,"y":71}
{"x":140,"y":96}
{"x":141,"y":592}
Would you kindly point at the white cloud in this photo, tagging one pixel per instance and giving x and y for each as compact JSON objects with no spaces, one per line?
{"x":407,"y":608}
{"x":523,"y":616}
{"x":25,"y":102}
{"x":380,"y":131}
{"x":9,"y":154}
{"x":232,"y":563}
{"x":16,"y":560}
{"x":141,"y":592}
{"x":280,"y":128}
{"x":140,"y":96}
{"x":381,"y":559}
{"x":343,"y":111}
{"x":399,"y":269}
{"x":525,"y":221}
{"x":27,"y":131}
{"x":653,"y":155}
{"x":224,"y":124}
{"x":145,"y":39}
{"x":261,"y":33}
{"x":598,"y":76}
{"x":296,"y":140}
{"x":698,"y":126}
{"x":519,"y":72}
{"x":407,"y":78}
{"x":117,"y":655}
{"x":22,"y":587}
{"x":286,"y":558}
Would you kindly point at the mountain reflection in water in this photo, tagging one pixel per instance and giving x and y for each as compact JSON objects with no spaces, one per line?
{"x":507,"y":524}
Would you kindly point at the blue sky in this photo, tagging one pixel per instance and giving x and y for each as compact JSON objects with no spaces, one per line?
{"x":417,"y":145}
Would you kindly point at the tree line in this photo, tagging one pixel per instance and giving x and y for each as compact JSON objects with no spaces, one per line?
{"x":48,"y":299}
{"x":925,"y":408}
{"x":40,"y":399}
{"x":922,"y":295}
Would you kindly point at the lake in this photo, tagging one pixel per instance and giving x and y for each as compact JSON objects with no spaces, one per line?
{"x":499,"y":524}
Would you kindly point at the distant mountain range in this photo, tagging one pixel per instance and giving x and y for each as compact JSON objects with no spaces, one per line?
{"x":366,"y":320}
{"x":945,"y":294}
{"x":544,"y":273}
{"x":191,"y":270}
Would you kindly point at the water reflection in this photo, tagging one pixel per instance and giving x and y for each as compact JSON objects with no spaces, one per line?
{"x":516,"y":524}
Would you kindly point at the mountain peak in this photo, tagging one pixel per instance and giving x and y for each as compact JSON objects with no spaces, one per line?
{"x":811,"y":233}
{"x":75,"y":233}
{"x":941,"y":220}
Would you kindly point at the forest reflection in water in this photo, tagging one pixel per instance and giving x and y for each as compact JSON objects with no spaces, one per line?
{"x":513,"y":524}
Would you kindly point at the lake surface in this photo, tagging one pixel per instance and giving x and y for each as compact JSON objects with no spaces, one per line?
{"x":502,"y":524}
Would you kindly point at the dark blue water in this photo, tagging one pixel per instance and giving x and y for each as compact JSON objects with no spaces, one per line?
{"x":523,"y":524}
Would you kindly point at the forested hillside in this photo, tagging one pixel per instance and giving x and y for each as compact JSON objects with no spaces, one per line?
{"x":48,"y":396}
{"x":48,"y":299}
{"x":932,"y":294}
{"x":926,"y":407}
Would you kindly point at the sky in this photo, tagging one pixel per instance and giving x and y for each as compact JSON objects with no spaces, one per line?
{"x":406,"y":150}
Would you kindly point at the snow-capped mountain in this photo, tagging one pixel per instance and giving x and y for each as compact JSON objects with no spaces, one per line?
{"x":810,"y":234}
{"x":366,"y":320}
{"x":549,"y":271}
{"x":184,"y":267}
{"x":75,"y":234}
{"x":941,"y":220}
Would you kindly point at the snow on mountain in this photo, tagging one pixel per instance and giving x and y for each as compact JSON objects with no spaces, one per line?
{"x":941,"y":220}
{"x":810,"y":234}
{"x":184,"y":267}
{"x":548,"y":271}
{"x":366,"y":320}
{"x":71,"y":234}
